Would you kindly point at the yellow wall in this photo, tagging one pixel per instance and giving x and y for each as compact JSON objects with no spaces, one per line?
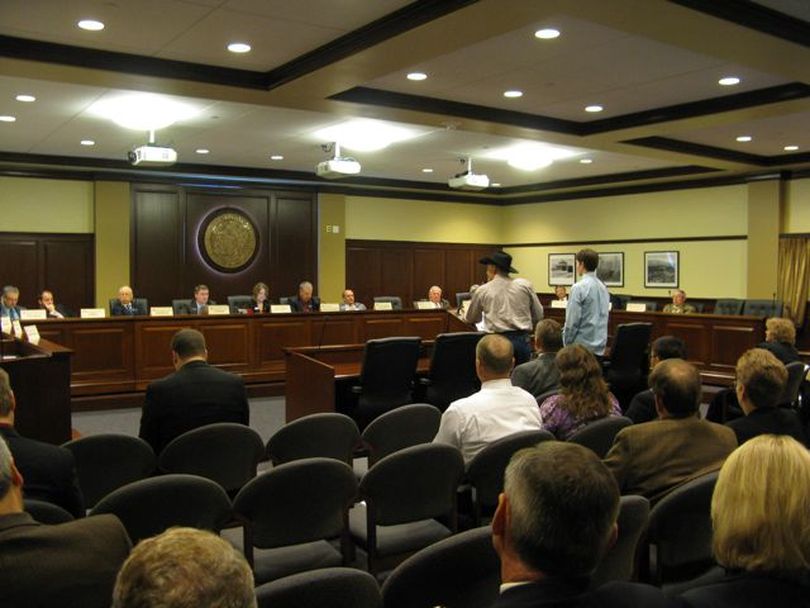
{"x":112,"y":213}
{"x":331,"y":247}
{"x":764,"y":200}
{"x":46,"y":205}
{"x":796,"y":208}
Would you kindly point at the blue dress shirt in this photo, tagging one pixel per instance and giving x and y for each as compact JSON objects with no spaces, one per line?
{"x":586,"y":316}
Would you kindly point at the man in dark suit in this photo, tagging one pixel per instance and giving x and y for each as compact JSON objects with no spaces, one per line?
{"x":54,"y":310}
{"x":541,"y":375}
{"x":305,"y":301}
{"x":642,"y":407}
{"x":70,"y":565}
{"x":49,"y":470}
{"x":198,"y":305}
{"x":761,"y":379}
{"x":195,"y":395}
{"x":8,"y":303}
{"x":127,"y":306}
{"x":555,"y":520}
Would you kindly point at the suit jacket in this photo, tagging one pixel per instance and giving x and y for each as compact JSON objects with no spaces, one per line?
{"x":783,"y":351}
{"x":749,"y":590}
{"x":194,"y":396}
{"x":65,"y":566}
{"x":551,"y":592}
{"x":190,"y":308}
{"x":65,"y":312}
{"x":653,"y":458}
{"x":538,"y":376}
{"x":119,"y":310}
{"x":776,"y":420}
{"x":642,"y":407}
{"x":297,"y":305}
{"x":13,"y":313}
{"x":49,"y":471}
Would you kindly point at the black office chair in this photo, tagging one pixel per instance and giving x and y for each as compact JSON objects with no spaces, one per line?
{"x":386,"y":377}
{"x":698,"y":306}
{"x":462,"y":571}
{"x":599,"y":434}
{"x":284,"y":300}
{"x":452,"y":369}
{"x":396,"y":301}
{"x":763,"y":308}
{"x":796,"y":373}
{"x":141,"y":303}
{"x":461,"y":297}
{"x":327,"y":435}
{"x":628,"y":362}
{"x":180,"y":307}
{"x":618,"y":564}
{"x":728,"y":306}
{"x":239,"y":303}
{"x":323,"y":588}
{"x":619,"y":302}
{"x":46,"y":512}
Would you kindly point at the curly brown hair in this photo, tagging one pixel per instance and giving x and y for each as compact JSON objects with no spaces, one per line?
{"x":584,"y":390}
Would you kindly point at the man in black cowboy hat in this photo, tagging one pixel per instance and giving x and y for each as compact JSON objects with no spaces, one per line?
{"x":510,"y":307}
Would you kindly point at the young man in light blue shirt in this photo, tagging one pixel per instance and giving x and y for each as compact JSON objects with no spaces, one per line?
{"x":586,"y":316}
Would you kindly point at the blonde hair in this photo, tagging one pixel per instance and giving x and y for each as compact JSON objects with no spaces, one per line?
{"x":763,"y":376}
{"x":760,"y":506}
{"x":781,"y":329}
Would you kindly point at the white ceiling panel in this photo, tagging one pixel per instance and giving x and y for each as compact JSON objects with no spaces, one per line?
{"x":345,"y":15}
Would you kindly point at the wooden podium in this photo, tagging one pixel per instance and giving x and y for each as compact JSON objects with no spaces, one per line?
{"x":40,"y":379}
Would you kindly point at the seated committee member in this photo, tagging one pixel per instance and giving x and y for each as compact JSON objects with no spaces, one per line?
{"x":193,"y":396}
{"x":560,"y":293}
{"x":49,"y":470}
{"x":305,"y":301}
{"x":8,"y":303}
{"x":126,"y":304}
{"x":679,"y":305}
{"x":260,"y":302}
{"x":198,"y":305}
{"x":584,"y":396}
{"x":761,"y":380}
{"x":349,"y":303}
{"x":541,"y":375}
{"x":54,"y":311}
{"x":184,"y":567}
{"x":652,"y":458}
{"x":71,"y":565}
{"x":642,"y":407}
{"x":780,"y":339}
{"x":555,"y":520}
{"x":497,"y":410}
{"x":435,"y":297}
{"x":761,"y":537}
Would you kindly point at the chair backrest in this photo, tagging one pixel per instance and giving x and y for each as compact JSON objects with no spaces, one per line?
{"x":396,"y":301}
{"x":599,"y":434}
{"x":763,"y":308}
{"x":150,"y":506}
{"x":401,"y":428}
{"x":796,"y":374}
{"x":180,"y":306}
{"x":630,"y":346}
{"x":235,"y":303}
{"x":107,"y":461}
{"x":680,"y":528}
{"x":486,"y":469}
{"x":46,"y":512}
{"x":224,"y":452}
{"x":462,"y":296}
{"x":452,"y":368}
{"x":297,"y":502}
{"x":328,"y":435}
{"x":324,"y":588}
{"x":619,"y":302}
{"x":416,"y":483}
{"x":462,"y":571}
{"x":388,"y":370}
{"x":698,"y":306}
{"x":620,"y":560}
{"x":284,"y":299}
{"x":728,"y":306}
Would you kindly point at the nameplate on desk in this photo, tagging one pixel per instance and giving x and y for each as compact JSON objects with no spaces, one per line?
{"x":219,"y":309}
{"x":559,"y":303}
{"x":425,"y":305}
{"x":6,"y":324}
{"x":330,"y":307}
{"x":161,"y":311}
{"x":34,"y":313}
{"x":17,"y":328}
{"x":636,"y":307}
{"x":32,"y":333}
{"x":383,"y":306}
{"x":280,"y":308}
{"x":92,"y":313}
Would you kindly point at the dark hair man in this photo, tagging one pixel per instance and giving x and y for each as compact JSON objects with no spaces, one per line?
{"x":541,"y":375}
{"x":586,"y":315}
{"x":642,"y":407}
{"x":53,"y":310}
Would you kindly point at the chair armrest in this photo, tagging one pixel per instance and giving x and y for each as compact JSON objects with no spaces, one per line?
{"x":357,"y":390}
{"x":424,"y":381}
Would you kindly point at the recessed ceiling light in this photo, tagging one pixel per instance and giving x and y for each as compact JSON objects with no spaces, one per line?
{"x":594,"y":108}
{"x":276,"y":157}
{"x":791,"y":148}
{"x":744,"y":138}
{"x":8,"y":118}
{"x":143,"y":111}
{"x":513,"y":93}
{"x":427,"y":170}
{"x":417,"y":76}
{"x":496,"y":184}
{"x":202,"y":150}
{"x":91,"y":25}
{"x":586,"y":161}
{"x":87,"y":142}
{"x":728,"y":81}
{"x":547,"y":33}
{"x":26,"y":98}
{"x":239,"y":47}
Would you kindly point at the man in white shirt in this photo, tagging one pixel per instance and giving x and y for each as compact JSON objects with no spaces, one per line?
{"x":497,"y":410}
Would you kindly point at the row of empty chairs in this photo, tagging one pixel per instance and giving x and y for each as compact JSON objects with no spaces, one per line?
{"x":726,"y":306}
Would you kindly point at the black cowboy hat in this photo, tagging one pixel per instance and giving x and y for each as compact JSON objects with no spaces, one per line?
{"x":501,"y":260}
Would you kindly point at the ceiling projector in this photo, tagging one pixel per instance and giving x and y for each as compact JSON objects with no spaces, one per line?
{"x":467,"y":180}
{"x":152,"y":155}
{"x":338,"y":166}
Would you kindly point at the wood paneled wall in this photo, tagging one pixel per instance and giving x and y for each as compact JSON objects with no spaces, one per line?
{"x":407,"y":269}
{"x":167,"y":264}
{"x":63,"y":263}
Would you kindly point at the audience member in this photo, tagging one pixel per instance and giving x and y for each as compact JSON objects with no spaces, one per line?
{"x":199,"y":304}
{"x":70,"y":565}
{"x":260,"y":302}
{"x":195,"y":395}
{"x":9,"y":303}
{"x":505,"y":306}
{"x":584,"y":396}
{"x":541,"y":375}
{"x":349,"y":303}
{"x":761,"y":537}
{"x":435,"y":297}
{"x":761,"y":379}
{"x":679,"y":305}
{"x":652,"y":458}
{"x":560,"y":293}
{"x":126,"y":304}
{"x":780,"y":339}
{"x":305,"y":301}
{"x":555,"y":520}
{"x":497,"y":410}
{"x":586,"y":316}
{"x":642,"y":407}
{"x":184,"y":568}
{"x":54,"y":311}
{"x":49,"y":470}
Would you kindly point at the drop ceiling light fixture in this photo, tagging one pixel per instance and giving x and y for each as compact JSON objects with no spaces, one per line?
{"x":26,"y":98}
{"x":427,"y":170}
{"x":547,"y":33}
{"x":417,"y":76}
{"x":90,"y":25}
{"x":143,"y":111}
{"x":87,"y":142}
{"x":8,"y":118}
{"x":513,"y":93}
{"x":586,"y":161}
{"x":744,"y":138}
{"x":239,"y":47}
{"x":594,"y":108}
{"x":791,"y":148}
{"x":202,"y":151}
{"x":276,"y":157}
{"x":530,"y":156}
{"x":366,"y":135}
{"x":728,"y":81}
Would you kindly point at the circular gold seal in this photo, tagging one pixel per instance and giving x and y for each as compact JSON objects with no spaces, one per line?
{"x":228,"y":240}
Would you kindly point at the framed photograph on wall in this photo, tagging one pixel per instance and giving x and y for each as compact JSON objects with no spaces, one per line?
{"x":611,"y":268}
{"x":661,"y":268}
{"x":561,"y":269}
